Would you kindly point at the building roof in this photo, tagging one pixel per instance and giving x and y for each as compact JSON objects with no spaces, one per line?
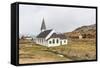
{"x":44,"y":34}
{"x":61,"y":36}
{"x":54,"y":35}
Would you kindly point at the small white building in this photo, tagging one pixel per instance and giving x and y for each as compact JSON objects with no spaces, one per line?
{"x":49,"y":38}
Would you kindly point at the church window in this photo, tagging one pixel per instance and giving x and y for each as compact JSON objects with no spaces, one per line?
{"x":53,"y":41}
{"x":57,"y":40}
{"x":64,"y":41}
{"x":49,"y":42}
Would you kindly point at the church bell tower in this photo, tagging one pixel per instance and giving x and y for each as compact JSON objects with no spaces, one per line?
{"x":43,"y":26}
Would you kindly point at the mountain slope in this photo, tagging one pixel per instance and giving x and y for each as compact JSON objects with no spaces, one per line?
{"x":86,"y":32}
{"x":85,"y":29}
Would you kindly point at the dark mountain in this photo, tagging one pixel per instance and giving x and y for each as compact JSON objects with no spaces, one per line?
{"x":88,"y":31}
{"x":85,"y":29}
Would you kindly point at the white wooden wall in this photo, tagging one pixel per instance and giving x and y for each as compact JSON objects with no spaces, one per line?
{"x":64,"y":41}
{"x":44,"y":42}
{"x":41,"y":41}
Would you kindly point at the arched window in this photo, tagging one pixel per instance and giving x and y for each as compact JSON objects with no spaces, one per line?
{"x":64,"y":41}
{"x":57,"y":41}
{"x":49,"y":42}
{"x":53,"y":41}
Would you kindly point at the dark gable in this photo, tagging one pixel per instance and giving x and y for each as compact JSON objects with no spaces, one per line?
{"x":61,"y":36}
{"x":44,"y":34}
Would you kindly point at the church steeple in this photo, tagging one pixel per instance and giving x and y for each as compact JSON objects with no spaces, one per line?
{"x":43,"y":26}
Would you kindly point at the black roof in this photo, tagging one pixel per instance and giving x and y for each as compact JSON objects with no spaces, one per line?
{"x":61,"y":36}
{"x":44,"y":34}
{"x":54,"y":35}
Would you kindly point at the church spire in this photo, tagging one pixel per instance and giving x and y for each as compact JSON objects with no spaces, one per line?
{"x":43,"y":26}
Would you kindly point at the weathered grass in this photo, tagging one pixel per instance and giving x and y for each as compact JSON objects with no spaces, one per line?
{"x":82,"y":50}
{"x":73,"y":51}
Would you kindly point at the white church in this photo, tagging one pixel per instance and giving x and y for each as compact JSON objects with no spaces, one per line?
{"x":50,"y":38}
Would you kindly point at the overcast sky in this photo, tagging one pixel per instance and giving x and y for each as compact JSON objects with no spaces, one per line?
{"x":61,"y":19}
